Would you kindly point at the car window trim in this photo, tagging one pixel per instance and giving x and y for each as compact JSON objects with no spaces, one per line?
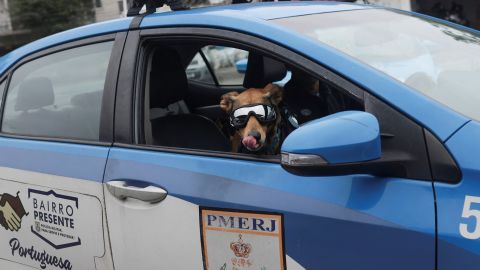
{"x":106,"y":117}
{"x":199,"y":152}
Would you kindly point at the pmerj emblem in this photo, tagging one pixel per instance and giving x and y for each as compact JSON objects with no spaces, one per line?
{"x":11,"y":212}
{"x":241,"y":249}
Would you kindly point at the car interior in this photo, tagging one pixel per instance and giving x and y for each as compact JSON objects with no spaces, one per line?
{"x":36,"y":101}
{"x":183,"y":83}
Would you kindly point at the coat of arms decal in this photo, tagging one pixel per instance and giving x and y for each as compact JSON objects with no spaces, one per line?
{"x":242,"y":240}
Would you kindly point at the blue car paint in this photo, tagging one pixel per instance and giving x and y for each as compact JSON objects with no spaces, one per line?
{"x":60,"y":159}
{"x":465,"y":147}
{"x":344,"y":137}
{"x":327,"y":216}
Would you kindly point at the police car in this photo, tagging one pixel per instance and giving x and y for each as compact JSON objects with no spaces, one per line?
{"x":104,"y":163}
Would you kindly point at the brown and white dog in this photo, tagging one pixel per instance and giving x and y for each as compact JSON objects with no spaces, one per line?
{"x":255,"y":116}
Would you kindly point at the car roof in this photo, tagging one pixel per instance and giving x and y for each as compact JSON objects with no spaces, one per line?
{"x":244,"y":12}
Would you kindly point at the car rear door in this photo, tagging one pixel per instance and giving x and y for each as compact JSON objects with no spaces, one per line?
{"x":186,"y":209}
{"x":55,"y":136}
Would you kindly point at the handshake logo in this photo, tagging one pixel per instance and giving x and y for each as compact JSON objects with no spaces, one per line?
{"x":11,"y":212}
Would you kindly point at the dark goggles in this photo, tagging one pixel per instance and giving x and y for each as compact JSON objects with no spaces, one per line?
{"x":264,"y":114}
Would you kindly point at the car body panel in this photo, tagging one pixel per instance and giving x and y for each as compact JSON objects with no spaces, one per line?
{"x":327,"y":216}
{"x":455,"y":250}
{"x":43,"y":176}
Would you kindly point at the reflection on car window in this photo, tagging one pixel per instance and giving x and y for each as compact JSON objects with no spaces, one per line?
{"x":197,"y":70}
{"x":228,"y":65}
{"x":59,"y":95}
{"x":433,"y":58}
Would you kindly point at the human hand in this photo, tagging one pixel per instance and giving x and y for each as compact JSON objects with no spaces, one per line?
{"x":12,"y":220}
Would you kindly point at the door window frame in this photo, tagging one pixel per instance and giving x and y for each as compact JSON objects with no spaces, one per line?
{"x":130,"y":84}
{"x":109,"y":91}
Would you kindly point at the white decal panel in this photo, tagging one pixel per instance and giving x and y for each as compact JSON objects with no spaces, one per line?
{"x":236,"y":240}
{"x":49,"y":229}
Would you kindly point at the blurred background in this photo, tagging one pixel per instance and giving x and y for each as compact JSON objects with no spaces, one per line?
{"x":22,"y":21}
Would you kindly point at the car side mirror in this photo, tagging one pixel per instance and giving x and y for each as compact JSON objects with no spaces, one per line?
{"x":340,"y":144}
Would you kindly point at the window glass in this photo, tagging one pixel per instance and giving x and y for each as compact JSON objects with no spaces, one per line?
{"x":228,"y":64}
{"x":433,"y":58}
{"x":59,"y":95}
{"x":197,"y":70}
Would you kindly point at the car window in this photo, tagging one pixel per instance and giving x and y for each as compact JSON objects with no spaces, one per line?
{"x":198,"y":71}
{"x":59,"y":95}
{"x":228,"y":65}
{"x":226,"y":122}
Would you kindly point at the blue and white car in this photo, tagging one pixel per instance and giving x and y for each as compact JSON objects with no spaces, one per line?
{"x":105,"y":163}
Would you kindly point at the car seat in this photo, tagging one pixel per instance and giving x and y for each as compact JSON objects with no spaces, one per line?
{"x":172,"y":124}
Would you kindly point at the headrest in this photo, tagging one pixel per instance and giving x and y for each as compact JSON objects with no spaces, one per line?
{"x":262,"y":70}
{"x":168,"y":81}
{"x":34,"y":94}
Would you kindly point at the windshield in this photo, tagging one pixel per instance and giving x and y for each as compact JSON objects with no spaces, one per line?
{"x":440,"y":61}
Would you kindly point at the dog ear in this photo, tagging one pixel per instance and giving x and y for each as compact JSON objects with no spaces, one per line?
{"x":274,"y":93}
{"x":226,"y":101}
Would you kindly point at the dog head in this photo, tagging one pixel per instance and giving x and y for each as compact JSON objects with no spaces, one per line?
{"x":254,"y":114}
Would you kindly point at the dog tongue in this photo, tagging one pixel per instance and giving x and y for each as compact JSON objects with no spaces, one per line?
{"x":250,"y":142}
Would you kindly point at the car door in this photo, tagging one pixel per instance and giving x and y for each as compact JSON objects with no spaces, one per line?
{"x":186,"y":209}
{"x":54,"y":142}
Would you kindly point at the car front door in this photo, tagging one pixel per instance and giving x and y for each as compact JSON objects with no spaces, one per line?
{"x":54,"y":142}
{"x":186,"y":209}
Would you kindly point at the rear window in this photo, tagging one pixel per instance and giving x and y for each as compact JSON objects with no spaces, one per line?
{"x":435,"y":59}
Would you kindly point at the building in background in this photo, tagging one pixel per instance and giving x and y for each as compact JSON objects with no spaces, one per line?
{"x":110,"y":9}
{"x":5,"y":22}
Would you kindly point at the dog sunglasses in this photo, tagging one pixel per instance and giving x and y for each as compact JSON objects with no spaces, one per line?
{"x":264,"y":114}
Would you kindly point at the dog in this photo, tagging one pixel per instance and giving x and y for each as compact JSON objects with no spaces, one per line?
{"x":255,"y":118}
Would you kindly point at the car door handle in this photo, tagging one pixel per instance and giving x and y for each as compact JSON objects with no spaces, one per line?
{"x":123,"y":190}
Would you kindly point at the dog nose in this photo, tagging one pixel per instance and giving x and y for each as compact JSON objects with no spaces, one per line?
{"x":255,"y":134}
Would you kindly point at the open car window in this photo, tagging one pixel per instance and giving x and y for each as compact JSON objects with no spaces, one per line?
{"x":210,"y":117}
